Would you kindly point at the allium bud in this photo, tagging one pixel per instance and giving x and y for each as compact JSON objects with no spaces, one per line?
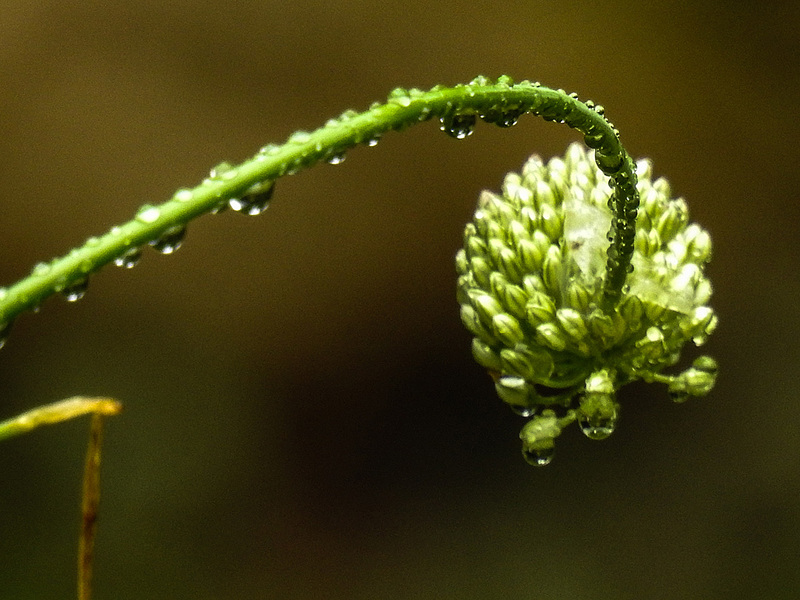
{"x":531,"y":281}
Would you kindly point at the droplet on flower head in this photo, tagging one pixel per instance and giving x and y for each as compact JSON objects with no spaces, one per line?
{"x":540,"y":456}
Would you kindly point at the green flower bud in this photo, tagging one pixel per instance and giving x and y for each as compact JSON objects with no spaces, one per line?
{"x":486,"y":306}
{"x":475,"y":247}
{"x":551,"y":222}
{"x":540,"y":309}
{"x":531,"y":281}
{"x":531,"y":363}
{"x":598,"y":407}
{"x":572,"y":324}
{"x":471,"y":320}
{"x":603,"y":328}
{"x":462,"y":264}
{"x":578,"y":297}
{"x":538,"y":438}
{"x":484,"y":355}
{"x":551,"y":270}
{"x":543,"y":195}
{"x":507,"y":329}
{"x":481,"y":270}
{"x":548,"y":334}
{"x":652,"y":345}
{"x":530,"y":254}
{"x":513,"y":390}
{"x":698,"y":380}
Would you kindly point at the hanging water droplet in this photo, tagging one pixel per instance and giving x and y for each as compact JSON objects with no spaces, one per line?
{"x":170,"y":240}
{"x":148,"y":214}
{"x":130,"y":259}
{"x":5,"y":329}
{"x":539,"y":457}
{"x":221,"y":206}
{"x":457,"y":125}
{"x":336,"y":159}
{"x":523,"y":411}
{"x":678,"y":396}
{"x":597,"y":427}
{"x":373,"y":141}
{"x":255,"y":201}
{"x":75,"y":291}
{"x":502,"y":118}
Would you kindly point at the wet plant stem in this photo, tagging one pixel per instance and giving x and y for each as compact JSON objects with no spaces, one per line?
{"x":457,"y":107}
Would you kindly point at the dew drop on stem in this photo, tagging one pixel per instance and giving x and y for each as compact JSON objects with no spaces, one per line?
{"x":130,"y":259}
{"x":502,"y":118}
{"x":170,"y":240}
{"x":76,"y":290}
{"x":148,"y":214}
{"x":457,"y":125}
{"x":336,"y":159}
{"x":255,"y":201}
{"x":5,"y":328}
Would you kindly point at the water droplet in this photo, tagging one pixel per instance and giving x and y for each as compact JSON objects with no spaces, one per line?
{"x":539,"y":457}
{"x":336,"y":159}
{"x":221,"y":168}
{"x":222,"y":206}
{"x":3,"y":293}
{"x":373,"y":141}
{"x":678,"y":396}
{"x":270,"y":150}
{"x":184,"y":195}
{"x":502,"y":118}
{"x":40,"y":269}
{"x":75,"y":291}
{"x":170,"y":240}
{"x":255,"y":201}
{"x":148,"y":214}
{"x":523,"y":411}
{"x":130,"y":259}
{"x":5,"y":328}
{"x":598,"y":427}
{"x":457,"y":125}
{"x":299,"y":137}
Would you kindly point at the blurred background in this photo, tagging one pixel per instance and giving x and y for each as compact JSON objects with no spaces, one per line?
{"x":303,"y":418}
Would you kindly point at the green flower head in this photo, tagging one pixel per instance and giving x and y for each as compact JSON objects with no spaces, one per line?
{"x":530,"y":286}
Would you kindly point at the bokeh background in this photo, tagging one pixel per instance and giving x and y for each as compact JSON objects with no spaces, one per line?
{"x":303,"y":418}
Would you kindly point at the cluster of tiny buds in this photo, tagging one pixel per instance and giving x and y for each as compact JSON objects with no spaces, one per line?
{"x":531,"y":276}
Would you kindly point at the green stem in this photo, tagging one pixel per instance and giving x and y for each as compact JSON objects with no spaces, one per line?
{"x":58,"y":412}
{"x":499,"y":102}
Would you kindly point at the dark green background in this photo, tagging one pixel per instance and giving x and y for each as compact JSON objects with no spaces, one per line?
{"x":303,"y":418}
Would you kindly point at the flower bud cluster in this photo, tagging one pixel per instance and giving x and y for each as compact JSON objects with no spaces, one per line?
{"x":530,"y":286}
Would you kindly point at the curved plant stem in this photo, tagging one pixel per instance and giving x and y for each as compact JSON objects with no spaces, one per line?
{"x":500,"y":102}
